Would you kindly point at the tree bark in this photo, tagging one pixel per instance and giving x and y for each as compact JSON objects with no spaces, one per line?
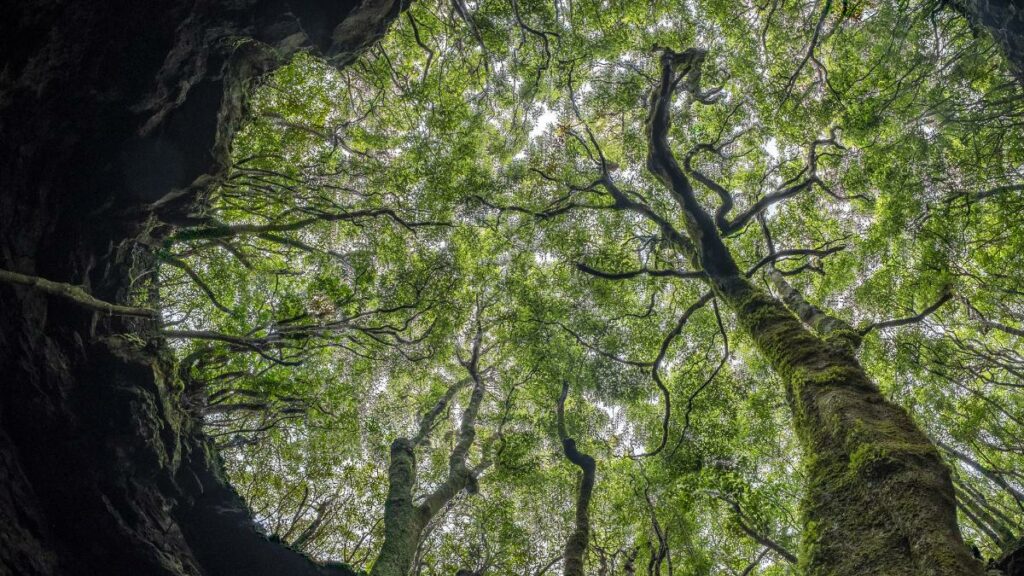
{"x":405,"y":521}
{"x":115,"y":119}
{"x":576,"y":544}
{"x":879,"y":498}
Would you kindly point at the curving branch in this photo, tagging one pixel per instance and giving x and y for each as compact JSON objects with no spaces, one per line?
{"x":991,"y":324}
{"x":708,"y":251}
{"x":775,"y":256}
{"x":806,"y":179}
{"x":576,"y":545}
{"x":73,"y":293}
{"x":669,"y":232}
{"x":595,"y":349}
{"x":707,"y":381}
{"x":656,"y":370}
{"x":945,"y":297}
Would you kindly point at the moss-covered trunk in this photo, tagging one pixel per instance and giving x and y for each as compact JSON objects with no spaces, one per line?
{"x":879,"y":498}
{"x":405,"y":521}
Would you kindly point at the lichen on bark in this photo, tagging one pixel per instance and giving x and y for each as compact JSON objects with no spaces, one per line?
{"x":879,"y":498}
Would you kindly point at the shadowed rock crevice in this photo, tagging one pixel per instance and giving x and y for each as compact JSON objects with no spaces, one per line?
{"x":115,"y":120}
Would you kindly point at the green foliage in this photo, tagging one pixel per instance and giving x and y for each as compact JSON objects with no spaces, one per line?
{"x":373,"y":214}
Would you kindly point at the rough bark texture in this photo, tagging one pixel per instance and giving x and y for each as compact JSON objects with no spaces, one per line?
{"x":879,"y":498}
{"x":405,"y":521}
{"x":1004,"y":20}
{"x":115,"y":118}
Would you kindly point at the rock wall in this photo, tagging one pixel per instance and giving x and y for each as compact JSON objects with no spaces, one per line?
{"x":116,"y":118}
{"x":1004,"y":20}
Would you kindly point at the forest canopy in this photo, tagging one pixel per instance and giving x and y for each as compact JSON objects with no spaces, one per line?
{"x":613,"y":287}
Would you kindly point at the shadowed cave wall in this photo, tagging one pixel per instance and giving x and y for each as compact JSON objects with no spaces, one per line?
{"x":115,"y":118}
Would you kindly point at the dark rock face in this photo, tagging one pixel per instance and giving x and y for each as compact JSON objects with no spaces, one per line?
{"x":1004,"y":20}
{"x":1011,"y":563}
{"x":115,"y":119}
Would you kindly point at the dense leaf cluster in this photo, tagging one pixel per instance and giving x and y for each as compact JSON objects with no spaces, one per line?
{"x":466,"y":179}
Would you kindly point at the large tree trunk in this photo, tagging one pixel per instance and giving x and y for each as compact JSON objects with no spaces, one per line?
{"x":879,"y":498}
{"x":403,"y":520}
{"x":115,"y":119}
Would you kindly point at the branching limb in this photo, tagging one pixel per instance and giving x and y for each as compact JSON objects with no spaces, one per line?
{"x":804,"y":180}
{"x":196,"y":279}
{"x":216,"y":230}
{"x":634,"y":273}
{"x":421,"y":44}
{"x":776,"y":256}
{"x":815,"y":38}
{"x":669,"y":232}
{"x":822,"y":323}
{"x":405,"y":521}
{"x":609,"y":355}
{"x":707,"y":381}
{"x":429,"y":418}
{"x":73,"y":293}
{"x":656,"y":370}
{"x":758,"y":537}
{"x":991,"y":324}
{"x":708,"y":250}
{"x":755,"y":562}
{"x":945,"y":297}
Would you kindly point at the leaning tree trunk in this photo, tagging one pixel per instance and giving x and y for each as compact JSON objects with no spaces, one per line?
{"x":115,"y":119}
{"x":576,"y":544}
{"x":879,"y":498}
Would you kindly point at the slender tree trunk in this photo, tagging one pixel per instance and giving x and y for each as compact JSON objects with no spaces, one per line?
{"x":879,"y":498}
{"x":576,"y":544}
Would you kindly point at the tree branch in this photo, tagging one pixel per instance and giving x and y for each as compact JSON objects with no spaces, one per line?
{"x":73,"y":293}
{"x":946,"y":296}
